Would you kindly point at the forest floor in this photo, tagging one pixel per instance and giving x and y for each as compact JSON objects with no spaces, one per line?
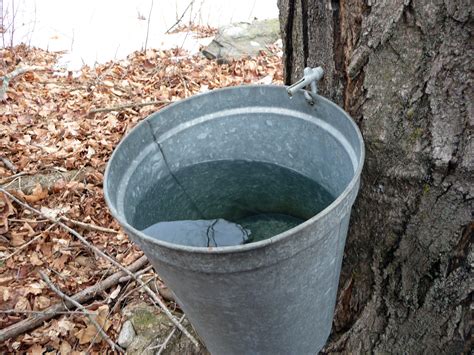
{"x":57,"y":132}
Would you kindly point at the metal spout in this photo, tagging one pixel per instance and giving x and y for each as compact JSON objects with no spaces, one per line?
{"x":311,"y":76}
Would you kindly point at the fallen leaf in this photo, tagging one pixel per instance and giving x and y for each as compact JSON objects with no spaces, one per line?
{"x":35,"y":259}
{"x":36,"y":350}
{"x":65,"y":348}
{"x":22,"y":304}
{"x":108,"y":83}
{"x":37,"y":194}
{"x":5,"y":279}
{"x":64,"y":326}
{"x":16,"y":238}
{"x":53,"y":212}
{"x":41,"y":302}
{"x":34,"y":288}
{"x":113,"y":295}
{"x":6,"y":209}
{"x":58,"y":263}
{"x":116,"y":92}
{"x":87,"y":334}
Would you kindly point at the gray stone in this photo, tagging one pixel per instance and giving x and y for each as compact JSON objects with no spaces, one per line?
{"x":243,"y":39}
{"x":152,"y":327}
{"x":127,"y":334}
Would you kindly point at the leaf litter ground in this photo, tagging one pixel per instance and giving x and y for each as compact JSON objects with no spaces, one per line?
{"x":49,"y":126}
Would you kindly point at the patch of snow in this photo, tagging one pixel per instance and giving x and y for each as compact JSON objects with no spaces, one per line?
{"x":92,"y":31}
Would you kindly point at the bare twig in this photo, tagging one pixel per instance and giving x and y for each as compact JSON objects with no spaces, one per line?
{"x":153,"y":296}
{"x":139,"y":273}
{"x":162,"y":347}
{"x":128,"y":105}
{"x":181,"y":17}
{"x":13,"y":311}
{"x":26,"y":220}
{"x":125,"y":292}
{"x":18,"y":71}
{"x":82,"y":296}
{"x":9,"y":164}
{"x":12,"y":177}
{"x":82,"y":308}
{"x":148,"y":25}
{"x":88,"y":226}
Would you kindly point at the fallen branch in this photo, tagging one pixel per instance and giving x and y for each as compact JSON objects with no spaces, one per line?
{"x":12,"y":177}
{"x":12,"y":311}
{"x":129,"y":105}
{"x":9,"y":164}
{"x":139,"y":273}
{"x":26,"y":182}
{"x":18,"y":71}
{"x":156,"y":300}
{"x":82,"y":308}
{"x":82,"y":296}
{"x":88,"y":226}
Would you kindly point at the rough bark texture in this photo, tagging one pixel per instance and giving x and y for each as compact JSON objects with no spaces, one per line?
{"x":403,"y":70}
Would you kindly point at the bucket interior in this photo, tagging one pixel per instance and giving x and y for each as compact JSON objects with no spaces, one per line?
{"x":280,"y":162}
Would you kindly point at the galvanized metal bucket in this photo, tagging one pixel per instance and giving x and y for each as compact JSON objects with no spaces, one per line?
{"x":276,"y":296}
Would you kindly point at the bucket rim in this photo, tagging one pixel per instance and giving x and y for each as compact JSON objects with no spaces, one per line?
{"x":241,"y":247}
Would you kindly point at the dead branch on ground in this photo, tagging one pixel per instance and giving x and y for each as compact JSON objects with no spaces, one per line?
{"x":83,"y":296}
{"x":26,"y":182}
{"x":82,"y":308}
{"x":88,"y":226}
{"x":128,"y":105}
{"x":18,"y":71}
{"x":156,"y":300}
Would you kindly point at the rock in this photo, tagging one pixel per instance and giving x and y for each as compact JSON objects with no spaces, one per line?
{"x":152,"y":327}
{"x":127,"y":334}
{"x":243,"y":40}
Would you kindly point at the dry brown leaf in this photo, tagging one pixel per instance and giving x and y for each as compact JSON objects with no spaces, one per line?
{"x":5,"y":279}
{"x":58,"y":263}
{"x":64,"y":326}
{"x":117,"y":92}
{"x":113,"y":295}
{"x":65,"y":348}
{"x":16,"y":238}
{"x":130,"y":258}
{"x":22,"y":304}
{"x":84,"y":261}
{"x":108,"y":83}
{"x":6,"y":209}
{"x":37,"y":195}
{"x":35,"y":259}
{"x":87,"y":334}
{"x":34,"y":288}
{"x":41,"y":302}
{"x":36,"y":350}
{"x":5,"y":293}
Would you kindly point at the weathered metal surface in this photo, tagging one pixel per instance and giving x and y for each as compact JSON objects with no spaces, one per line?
{"x":275,"y":296}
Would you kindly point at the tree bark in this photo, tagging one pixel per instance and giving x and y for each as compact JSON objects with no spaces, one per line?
{"x":402,"y":69}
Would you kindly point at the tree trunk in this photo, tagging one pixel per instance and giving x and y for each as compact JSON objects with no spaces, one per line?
{"x":402,"y":69}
